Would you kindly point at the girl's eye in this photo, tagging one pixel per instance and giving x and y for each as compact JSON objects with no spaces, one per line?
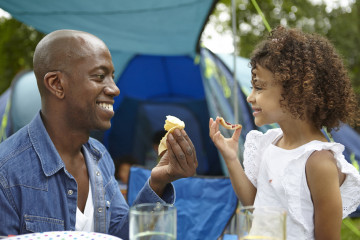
{"x":256,"y":88}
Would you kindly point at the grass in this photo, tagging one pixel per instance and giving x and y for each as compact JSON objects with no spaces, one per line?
{"x":350,"y":229}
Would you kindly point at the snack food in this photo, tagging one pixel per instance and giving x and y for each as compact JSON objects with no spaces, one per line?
{"x":171,"y":123}
{"x":227,"y":125}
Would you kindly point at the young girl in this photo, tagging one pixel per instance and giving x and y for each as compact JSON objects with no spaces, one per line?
{"x":300,"y":83}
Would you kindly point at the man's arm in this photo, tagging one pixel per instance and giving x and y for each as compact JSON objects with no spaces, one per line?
{"x":9,"y":219}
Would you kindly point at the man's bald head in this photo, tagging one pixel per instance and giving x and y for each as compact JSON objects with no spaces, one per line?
{"x":59,"y":50}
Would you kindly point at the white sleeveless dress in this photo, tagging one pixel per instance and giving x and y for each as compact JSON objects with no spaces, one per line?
{"x":280,"y":179}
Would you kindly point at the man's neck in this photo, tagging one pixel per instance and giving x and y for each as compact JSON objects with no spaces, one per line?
{"x":67,"y":141}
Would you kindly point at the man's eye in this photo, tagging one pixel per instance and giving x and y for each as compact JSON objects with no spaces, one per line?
{"x":100,"y":76}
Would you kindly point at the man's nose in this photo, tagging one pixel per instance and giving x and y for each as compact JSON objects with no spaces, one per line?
{"x":112,"y":89}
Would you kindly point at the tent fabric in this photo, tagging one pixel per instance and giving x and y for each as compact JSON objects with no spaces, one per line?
{"x":152,"y":87}
{"x":150,"y":27}
{"x":204,"y":205}
{"x":25,"y":100}
{"x":161,"y":77}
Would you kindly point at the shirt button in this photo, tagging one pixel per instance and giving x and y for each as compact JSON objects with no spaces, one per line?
{"x":97,"y":173}
{"x":100,"y":210}
{"x":70,"y":192}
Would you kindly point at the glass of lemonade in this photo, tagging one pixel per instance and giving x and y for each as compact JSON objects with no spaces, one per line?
{"x":264,"y":223}
{"x":150,"y":221}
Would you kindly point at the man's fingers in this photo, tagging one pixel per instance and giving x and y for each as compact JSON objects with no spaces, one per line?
{"x":190,"y":152}
{"x":178,"y":157}
{"x":183,"y":149}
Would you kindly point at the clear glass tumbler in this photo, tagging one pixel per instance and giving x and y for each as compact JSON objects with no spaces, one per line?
{"x":263,"y":223}
{"x":150,"y":221}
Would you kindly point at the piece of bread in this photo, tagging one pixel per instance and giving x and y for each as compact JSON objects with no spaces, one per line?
{"x":227,"y":125}
{"x":171,"y":123}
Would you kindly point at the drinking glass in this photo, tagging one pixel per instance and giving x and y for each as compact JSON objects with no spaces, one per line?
{"x":264,"y":223}
{"x":153,"y":221}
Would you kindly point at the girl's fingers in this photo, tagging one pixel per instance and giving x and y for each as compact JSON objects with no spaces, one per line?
{"x":213,"y":127}
{"x":236,"y":134}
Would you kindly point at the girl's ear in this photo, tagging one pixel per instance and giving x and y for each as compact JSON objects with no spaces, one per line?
{"x":53,"y":83}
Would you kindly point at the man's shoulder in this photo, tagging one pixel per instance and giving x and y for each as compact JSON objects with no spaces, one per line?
{"x":19,"y":164}
{"x":15,"y":146}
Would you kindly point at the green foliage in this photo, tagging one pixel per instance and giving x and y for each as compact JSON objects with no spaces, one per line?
{"x":17,"y":45}
{"x":345,"y":34}
{"x":350,"y":231}
{"x":341,"y":26}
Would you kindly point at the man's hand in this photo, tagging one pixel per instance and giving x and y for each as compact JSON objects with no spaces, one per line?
{"x":179,"y":161}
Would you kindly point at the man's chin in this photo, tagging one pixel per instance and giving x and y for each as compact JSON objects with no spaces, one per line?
{"x":102,"y":127}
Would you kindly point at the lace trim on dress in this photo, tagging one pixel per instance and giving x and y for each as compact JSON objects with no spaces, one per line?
{"x":254,"y":143}
{"x":350,"y":189}
{"x":251,"y":156}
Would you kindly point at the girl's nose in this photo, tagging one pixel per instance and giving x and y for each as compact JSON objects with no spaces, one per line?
{"x":250,"y":98}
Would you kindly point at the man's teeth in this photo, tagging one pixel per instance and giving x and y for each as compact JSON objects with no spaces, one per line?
{"x":106,"y":105}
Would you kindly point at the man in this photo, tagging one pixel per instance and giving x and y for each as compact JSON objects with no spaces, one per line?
{"x":54,"y":177}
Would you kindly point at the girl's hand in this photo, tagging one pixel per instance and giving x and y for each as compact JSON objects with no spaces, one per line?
{"x":228,"y":147}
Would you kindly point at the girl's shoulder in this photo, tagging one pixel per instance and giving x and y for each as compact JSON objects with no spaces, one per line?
{"x":260,"y":138}
{"x":350,"y":188}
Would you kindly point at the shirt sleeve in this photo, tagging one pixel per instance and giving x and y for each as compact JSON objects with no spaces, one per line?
{"x":9,"y":219}
{"x":147,"y":195}
{"x":252,"y":156}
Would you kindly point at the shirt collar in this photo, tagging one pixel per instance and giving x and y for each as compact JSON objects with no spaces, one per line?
{"x":50,"y":159}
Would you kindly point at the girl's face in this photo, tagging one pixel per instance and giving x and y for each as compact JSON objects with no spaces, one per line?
{"x":265,"y":97}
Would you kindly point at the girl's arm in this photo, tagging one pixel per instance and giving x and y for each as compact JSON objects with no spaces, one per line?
{"x":323,"y":181}
{"x":228,"y":148}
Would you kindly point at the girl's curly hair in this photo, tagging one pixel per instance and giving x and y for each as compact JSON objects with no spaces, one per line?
{"x":315,"y":82}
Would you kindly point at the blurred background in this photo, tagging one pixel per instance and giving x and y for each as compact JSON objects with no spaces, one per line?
{"x":338,"y":20}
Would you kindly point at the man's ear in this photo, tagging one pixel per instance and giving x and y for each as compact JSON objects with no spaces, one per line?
{"x":53,"y":83}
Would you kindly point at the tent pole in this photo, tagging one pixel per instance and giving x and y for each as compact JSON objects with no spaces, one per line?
{"x":236,"y":108}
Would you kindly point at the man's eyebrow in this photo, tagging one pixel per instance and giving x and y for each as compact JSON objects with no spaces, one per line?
{"x":104,"y":68}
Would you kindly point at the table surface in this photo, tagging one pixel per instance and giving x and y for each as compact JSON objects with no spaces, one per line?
{"x":62,"y":235}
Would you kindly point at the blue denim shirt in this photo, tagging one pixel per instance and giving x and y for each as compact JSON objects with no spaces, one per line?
{"x":38,"y":194}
